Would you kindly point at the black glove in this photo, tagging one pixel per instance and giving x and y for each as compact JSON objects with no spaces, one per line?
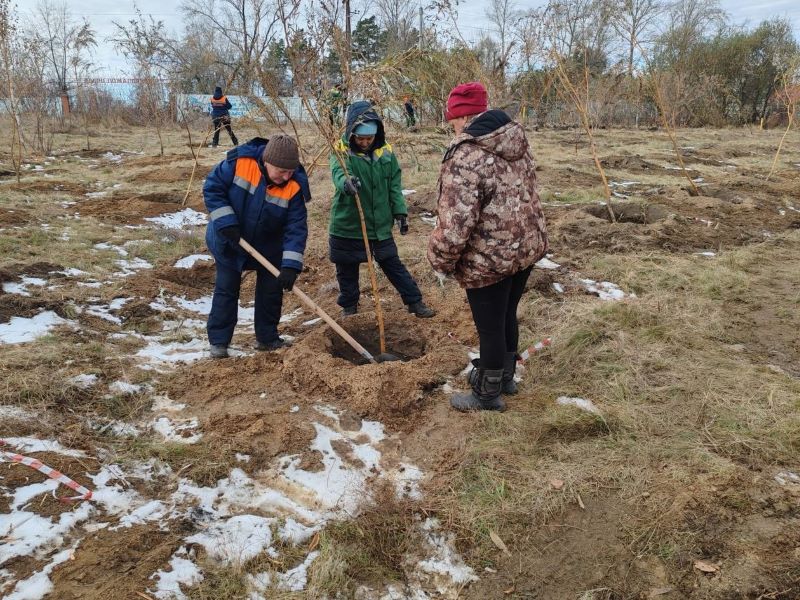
{"x":352,"y":185}
{"x":402,"y":223}
{"x":287,"y":278}
{"x":232,"y":233}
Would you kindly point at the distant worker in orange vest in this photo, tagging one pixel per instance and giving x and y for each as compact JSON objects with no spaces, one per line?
{"x":220,"y":105}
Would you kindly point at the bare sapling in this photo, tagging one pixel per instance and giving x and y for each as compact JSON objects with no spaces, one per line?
{"x":789,"y":95}
{"x":667,"y":111}
{"x":580,"y":99}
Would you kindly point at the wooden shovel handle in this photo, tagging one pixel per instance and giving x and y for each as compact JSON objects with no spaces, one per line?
{"x":309,"y":302}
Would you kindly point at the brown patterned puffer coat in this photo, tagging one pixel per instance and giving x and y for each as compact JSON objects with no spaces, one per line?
{"x":490,"y":220}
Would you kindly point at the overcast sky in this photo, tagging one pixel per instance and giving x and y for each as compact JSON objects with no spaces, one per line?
{"x":102,"y":13}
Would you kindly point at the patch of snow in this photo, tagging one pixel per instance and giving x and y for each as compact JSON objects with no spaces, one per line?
{"x":445,"y":565}
{"x":111,"y":157}
{"x":242,"y":457}
{"x":471,"y":355}
{"x":129,"y":267}
{"x":201,"y":306}
{"x":83,"y":380}
{"x":237,"y":539}
{"x":312,"y":322}
{"x":106,"y":246}
{"x":706,"y":253}
{"x":151,"y":511}
{"x":580,"y":403}
{"x":429,"y":218}
{"x":294,"y":409}
{"x":289,"y":317}
{"x":17,"y":413}
{"x":25,"y":533}
{"x":292,"y":532}
{"x":788,"y":478}
{"x":71,"y":272}
{"x":26,"y":445}
{"x":295,"y":580}
{"x":336,"y":486}
{"x":409,"y":192}
{"x":125,"y":388}
{"x":188,"y":262}
{"x":21,"y":288}
{"x":165,"y":404}
{"x":183,"y":571}
{"x":160,"y":352}
{"x":180,"y":432}
{"x":605,"y":290}
{"x":406,"y":481}
{"x":188,"y":217}
{"x":546,"y":263}
{"x":39,"y":585}
{"x":558,"y":287}
{"x":99,"y":194}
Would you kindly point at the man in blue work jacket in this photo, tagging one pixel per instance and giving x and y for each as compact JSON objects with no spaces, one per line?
{"x":259,"y":193}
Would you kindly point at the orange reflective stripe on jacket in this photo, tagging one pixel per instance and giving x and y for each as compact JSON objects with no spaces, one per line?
{"x":247,"y":174}
{"x":220,"y":101}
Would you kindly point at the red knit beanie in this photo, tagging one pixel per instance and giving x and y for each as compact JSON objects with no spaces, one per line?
{"x":466,"y":99}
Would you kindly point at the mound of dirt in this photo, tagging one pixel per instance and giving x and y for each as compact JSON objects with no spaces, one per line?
{"x":391,"y":391}
{"x":625,"y":212}
{"x":127,"y":556}
{"x":10,"y":217}
{"x":632,"y":164}
{"x":173,"y":174}
{"x":147,"y":161}
{"x":120,"y":209}
{"x":70,"y":187}
{"x":201,"y":275}
{"x":15,"y":305}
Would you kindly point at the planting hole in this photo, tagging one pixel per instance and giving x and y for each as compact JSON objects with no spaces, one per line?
{"x":404,"y":342}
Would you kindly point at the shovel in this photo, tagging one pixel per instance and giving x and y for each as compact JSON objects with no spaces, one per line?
{"x":385,"y":356}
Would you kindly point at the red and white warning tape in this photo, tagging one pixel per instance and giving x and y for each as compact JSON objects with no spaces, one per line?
{"x":33,"y":463}
{"x":537,"y":347}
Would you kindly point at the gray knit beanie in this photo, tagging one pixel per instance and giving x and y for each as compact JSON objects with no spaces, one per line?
{"x":281,"y":151}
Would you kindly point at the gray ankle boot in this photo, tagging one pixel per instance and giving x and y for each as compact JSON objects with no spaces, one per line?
{"x":485,"y":395}
{"x":509,"y":368}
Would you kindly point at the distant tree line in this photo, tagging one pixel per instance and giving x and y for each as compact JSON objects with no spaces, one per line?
{"x":709,"y":71}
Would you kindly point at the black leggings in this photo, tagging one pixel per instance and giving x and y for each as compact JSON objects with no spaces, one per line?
{"x":494,"y":310}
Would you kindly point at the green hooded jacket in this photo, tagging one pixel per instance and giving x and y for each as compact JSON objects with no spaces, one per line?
{"x":381,"y":191}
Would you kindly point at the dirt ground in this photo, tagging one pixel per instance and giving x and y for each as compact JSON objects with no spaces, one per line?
{"x":673,"y":489}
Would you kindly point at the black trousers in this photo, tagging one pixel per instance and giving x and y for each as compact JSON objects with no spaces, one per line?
{"x":347,"y":254}
{"x":494,"y":311}
{"x":219,"y":123}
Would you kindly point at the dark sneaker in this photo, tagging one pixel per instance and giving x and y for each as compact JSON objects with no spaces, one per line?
{"x":349,"y":310}
{"x":421,"y":310}
{"x":218,"y":351}
{"x":275,"y":344}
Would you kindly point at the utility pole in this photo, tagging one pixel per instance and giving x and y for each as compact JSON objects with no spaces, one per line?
{"x":419,"y":36}
{"x":347,"y":36}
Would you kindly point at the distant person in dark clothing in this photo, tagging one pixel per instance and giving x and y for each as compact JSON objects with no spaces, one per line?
{"x":411,"y":117}
{"x":220,"y":105}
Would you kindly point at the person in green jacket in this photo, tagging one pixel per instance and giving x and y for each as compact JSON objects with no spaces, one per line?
{"x":374,"y":174}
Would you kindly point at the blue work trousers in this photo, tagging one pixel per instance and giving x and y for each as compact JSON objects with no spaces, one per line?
{"x":225,"y":303}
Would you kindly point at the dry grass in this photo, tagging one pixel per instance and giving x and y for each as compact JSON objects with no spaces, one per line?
{"x":682,"y":408}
